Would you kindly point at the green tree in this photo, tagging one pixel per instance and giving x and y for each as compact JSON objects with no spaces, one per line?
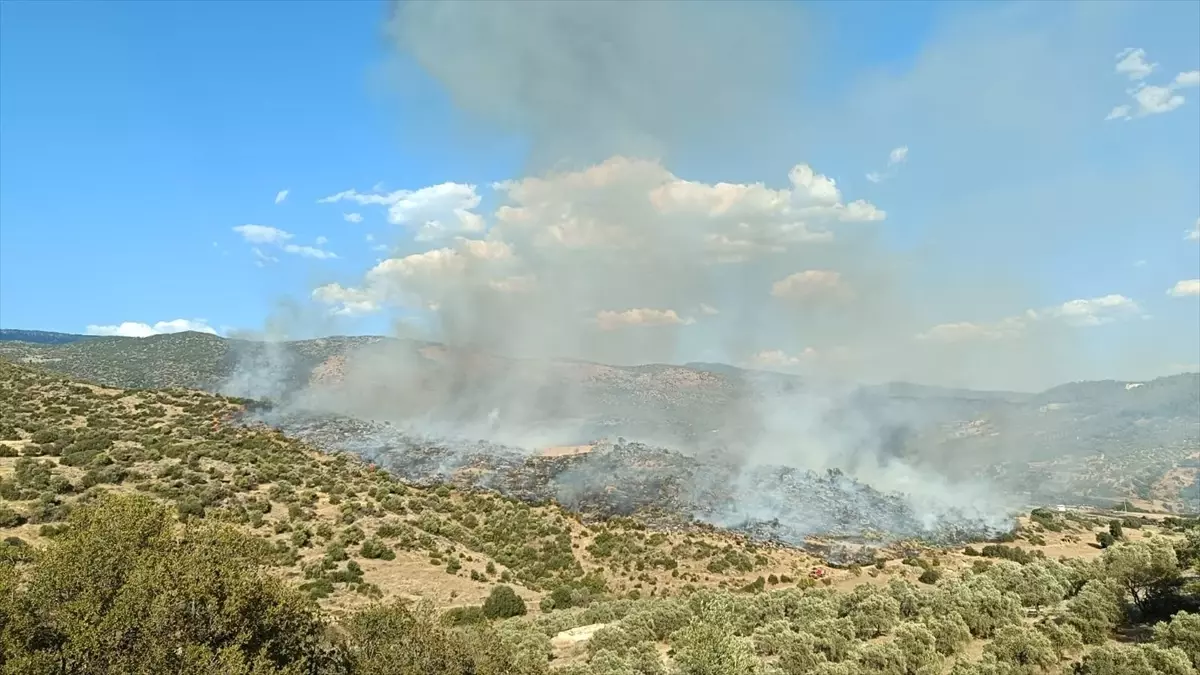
{"x":708,"y":649}
{"x":1115,"y":529}
{"x":919,"y":646}
{"x":1187,"y":551}
{"x":1094,"y":611}
{"x":1142,"y":568}
{"x":949,"y":631}
{"x":983,"y":606}
{"x":1118,"y":659}
{"x":1182,"y":631}
{"x":881,"y":657}
{"x":122,"y":591}
{"x":503,"y":602}
{"x":875,"y":615}
{"x":1024,"y":648}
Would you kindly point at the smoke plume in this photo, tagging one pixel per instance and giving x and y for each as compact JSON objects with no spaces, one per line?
{"x":603,"y":254}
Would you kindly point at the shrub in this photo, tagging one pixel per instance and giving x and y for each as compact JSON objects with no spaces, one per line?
{"x":396,"y":639}
{"x":1094,"y":611}
{"x":1183,"y":631}
{"x":374,"y":549}
{"x":1115,"y":529}
{"x":1023,"y":646}
{"x":502,"y":603}
{"x":1117,"y":659}
{"x":464,"y":616}
{"x":123,"y":565}
{"x":949,"y":631}
{"x":44,"y":436}
{"x":929,"y":577}
{"x":9,"y":517}
{"x":1013,"y":553}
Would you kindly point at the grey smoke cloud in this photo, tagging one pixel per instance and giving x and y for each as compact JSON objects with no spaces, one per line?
{"x":605,"y":250}
{"x":585,"y":80}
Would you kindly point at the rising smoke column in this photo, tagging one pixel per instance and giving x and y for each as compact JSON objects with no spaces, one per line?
{"x":602,"y":252}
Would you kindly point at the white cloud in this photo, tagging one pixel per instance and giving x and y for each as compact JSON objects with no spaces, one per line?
{"x":435,"y":212}
{"x":347,"y":301}
{"x":1119,"y":112}
{"x":424,"y":279}
{"x":1153,"y":100}
{"x":708,"y":310}
{"x":895,"y":158}
{"x":1189,"y":79}
{"x":262,"y":259}
{"x":136,"y":329}
{"x":352,"y":217}
{"x":1150,"y":99}
{"x":280,"y":196}
{"x":810,"y":285}
{"x":967,"y":331}
{"x":1132,"y":63}
{"x":777,"y":358}
{"x":860,"y":211}
{"x":357,"y":197}
{"x":308,"y":252}
{"x":1094,"y":311}
{"x":610,"y":320}
{"x":624,"y":204}
{"x":654,"y":238}
{"x":321,"y":241}
{"x":1082,"y":312}
{"x":1194,"y":233}
{"x":262,"y":234}
{"x":1185,"y":288}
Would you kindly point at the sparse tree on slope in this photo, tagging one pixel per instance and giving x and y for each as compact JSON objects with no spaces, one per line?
{"x":1142,"y":568}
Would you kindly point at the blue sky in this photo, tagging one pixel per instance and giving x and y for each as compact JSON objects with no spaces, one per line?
{"x":137,"y":136}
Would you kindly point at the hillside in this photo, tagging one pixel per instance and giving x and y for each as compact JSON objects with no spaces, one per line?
{"x":140,"y":499}
{"x":1090,"y":441}
{"x":63,"y":442}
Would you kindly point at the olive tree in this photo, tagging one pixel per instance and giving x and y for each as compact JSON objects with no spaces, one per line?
{"x":125,"y":590}
{"x":1183,"y":631}
{"x":1142,"y":567}
{"x":1023,"y":648}
{"x":709,"y":649}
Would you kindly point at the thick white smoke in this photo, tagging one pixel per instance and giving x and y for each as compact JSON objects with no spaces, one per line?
{"x":604,"y":253}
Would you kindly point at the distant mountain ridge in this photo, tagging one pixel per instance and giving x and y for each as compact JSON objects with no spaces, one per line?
{"x":43,"y":337}
{"x":213,"y":359}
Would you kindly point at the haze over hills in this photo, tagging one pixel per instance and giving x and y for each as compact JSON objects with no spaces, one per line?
{"x":1076,"y":442}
